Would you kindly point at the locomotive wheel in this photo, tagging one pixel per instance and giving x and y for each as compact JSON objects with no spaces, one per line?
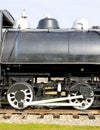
{"x":18,"y":94}
{"x":84,"y":90}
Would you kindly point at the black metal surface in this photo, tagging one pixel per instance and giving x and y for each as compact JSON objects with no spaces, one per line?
{"x":83,"y":88}
{"x":56,"y":70}
{"x":6,"y":21}
{"x":51,"y":47}
{"x":0,"y":30}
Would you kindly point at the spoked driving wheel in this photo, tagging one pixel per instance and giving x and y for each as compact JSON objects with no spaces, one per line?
{"x":87,"y":93}
{"x":19,"y":94}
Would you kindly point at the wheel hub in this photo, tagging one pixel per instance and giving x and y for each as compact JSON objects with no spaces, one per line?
{"x":19,"y":95}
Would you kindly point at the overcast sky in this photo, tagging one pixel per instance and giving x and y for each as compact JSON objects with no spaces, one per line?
{"x":65,"y":11}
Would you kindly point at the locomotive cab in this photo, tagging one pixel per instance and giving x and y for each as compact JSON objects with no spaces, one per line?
{"x":6,"y":21}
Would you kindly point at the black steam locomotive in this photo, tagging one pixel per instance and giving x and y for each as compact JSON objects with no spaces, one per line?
{"x":48,"y":66}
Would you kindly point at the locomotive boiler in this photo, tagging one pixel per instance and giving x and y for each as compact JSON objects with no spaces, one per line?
{"x":48,"y":66}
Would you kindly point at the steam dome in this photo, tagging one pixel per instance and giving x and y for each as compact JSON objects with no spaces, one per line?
{"x":48,"y":23}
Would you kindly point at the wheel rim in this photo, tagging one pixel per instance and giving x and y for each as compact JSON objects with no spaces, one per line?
{"x":19,"y":94}
{"x":85,"y":103}
{"x":84,"y":90}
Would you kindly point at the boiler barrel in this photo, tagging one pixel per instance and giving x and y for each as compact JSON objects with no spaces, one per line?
{"x":53,"y":47}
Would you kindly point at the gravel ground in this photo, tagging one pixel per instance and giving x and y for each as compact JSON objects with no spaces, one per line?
{"x":49,"y":119}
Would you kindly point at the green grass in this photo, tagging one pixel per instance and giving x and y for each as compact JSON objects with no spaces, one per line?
{"x":5,"y":126}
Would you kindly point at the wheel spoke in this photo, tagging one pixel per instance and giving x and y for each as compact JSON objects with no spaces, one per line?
{"x":86,"y":102}
{"x":19,"y":92}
